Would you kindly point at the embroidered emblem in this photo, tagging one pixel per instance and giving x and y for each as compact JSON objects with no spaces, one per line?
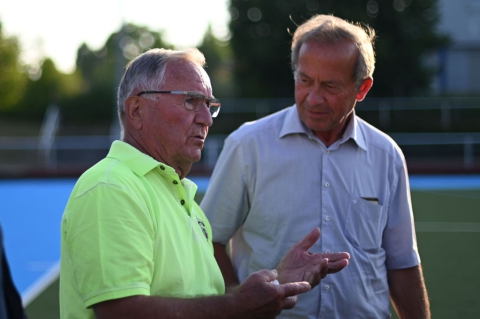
{"x":202,"y":226}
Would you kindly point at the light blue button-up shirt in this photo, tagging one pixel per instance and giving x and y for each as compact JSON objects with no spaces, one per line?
{"x":275,"y":181}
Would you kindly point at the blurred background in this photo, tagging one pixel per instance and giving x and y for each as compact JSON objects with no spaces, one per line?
{"x":58,"y":109}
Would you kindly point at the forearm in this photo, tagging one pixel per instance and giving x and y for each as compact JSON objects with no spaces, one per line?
{"x":408,"y":293}
{"x":256,"y":298}
{"x":226,"y":266}
{"x":147,"y":307}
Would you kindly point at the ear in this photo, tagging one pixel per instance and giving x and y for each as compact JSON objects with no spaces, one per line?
{"x":364,"y":88}
{"x":133,"y":112}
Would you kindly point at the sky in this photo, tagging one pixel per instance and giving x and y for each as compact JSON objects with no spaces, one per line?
{"x":57,"y":28}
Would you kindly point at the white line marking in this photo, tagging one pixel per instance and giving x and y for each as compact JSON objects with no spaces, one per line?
{"x":447,"y":227}
{"x":41,"y":284}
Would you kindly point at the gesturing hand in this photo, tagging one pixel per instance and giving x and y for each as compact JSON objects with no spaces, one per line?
{"x":299,"y":264}
{"x":259,"y":297}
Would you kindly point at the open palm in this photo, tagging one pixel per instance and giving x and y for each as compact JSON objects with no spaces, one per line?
{"x":299,"y":264}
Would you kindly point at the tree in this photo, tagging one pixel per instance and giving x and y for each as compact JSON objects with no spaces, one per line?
{"x":88,"y":95}
{"x":100,"y":71}
{"x":219,"y":57}
{"x":406,"y":34}
{"x":26,"y":90}
{"x":43,"y":87}
{"x":12,"y":79}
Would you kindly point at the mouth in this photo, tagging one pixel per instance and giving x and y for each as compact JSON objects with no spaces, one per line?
{"x":318,"y":109}
{"x":318,"y":113}
{"x":198,"y":135}
{"x":200,"y":138}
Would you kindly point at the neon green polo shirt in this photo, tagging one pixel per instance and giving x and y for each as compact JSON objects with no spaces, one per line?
{"x":132,"y":227}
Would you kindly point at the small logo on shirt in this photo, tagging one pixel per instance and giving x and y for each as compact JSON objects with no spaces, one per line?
{"x":202,"y":226}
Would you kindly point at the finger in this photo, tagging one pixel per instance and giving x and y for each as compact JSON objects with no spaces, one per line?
{"x":336,"y":266}
{"x":317,"y":273}
{"x":310,"y":239}
{"x":295,"y":288}
{"x":336,"y":256}
{"x":324,"y":267}
{"x":315,"y":278}
{"x":290,"y":302}
{"x":266,"y":275}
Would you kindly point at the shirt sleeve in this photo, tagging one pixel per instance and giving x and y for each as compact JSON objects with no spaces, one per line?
{"x":399,"y":239}
{"x":226,"y":202}
{"x":110,"y":243}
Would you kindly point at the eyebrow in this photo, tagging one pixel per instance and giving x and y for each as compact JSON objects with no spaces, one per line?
{"x":301,"y":74}
{"x":208,"y":97}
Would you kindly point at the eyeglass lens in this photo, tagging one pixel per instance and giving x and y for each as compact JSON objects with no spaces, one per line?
{"x":195,"y":101}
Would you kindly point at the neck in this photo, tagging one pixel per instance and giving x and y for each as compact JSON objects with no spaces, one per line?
{"x":181,"y":168}
{"x":330,"y":137}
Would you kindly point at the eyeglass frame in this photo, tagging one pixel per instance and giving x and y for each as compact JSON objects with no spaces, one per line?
{"x":207,"y":100}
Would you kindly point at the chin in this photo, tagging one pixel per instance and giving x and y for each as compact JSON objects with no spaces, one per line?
{"x":195,"y":156}
{"x":317,"y":127}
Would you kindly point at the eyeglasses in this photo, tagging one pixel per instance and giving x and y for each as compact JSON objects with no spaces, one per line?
{"x":193,"y":100}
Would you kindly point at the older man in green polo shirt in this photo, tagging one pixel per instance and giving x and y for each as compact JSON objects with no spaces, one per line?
{"x":134,"y":242}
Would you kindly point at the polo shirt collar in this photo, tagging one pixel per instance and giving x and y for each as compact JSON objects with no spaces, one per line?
{"x":140,"y":163}
{"x":293,"y":125}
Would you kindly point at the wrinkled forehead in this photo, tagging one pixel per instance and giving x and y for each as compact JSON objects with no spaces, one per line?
{"x":186,"y":75}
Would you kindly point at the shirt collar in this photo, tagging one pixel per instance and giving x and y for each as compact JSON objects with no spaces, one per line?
{"x":292,"y":125}
{"x":353,"y":132}
{"x":140,"y":163}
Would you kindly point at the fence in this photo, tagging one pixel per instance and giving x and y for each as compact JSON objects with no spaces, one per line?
{"x":436,"y":143}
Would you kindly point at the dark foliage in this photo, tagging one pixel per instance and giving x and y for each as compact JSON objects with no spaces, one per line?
{"x":406,"y":36}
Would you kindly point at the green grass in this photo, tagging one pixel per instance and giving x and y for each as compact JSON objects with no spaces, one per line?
{"x":449,"y":259}
{"x":46,"y":305}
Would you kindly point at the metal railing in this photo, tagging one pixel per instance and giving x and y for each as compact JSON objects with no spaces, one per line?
{"x":442,"y":105}
{"x":51,"y":151}
{"x":61,"y":152}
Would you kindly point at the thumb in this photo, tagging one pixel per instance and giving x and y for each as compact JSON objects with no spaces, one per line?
{"x":267,"y":275}
{"x":310,"y":239}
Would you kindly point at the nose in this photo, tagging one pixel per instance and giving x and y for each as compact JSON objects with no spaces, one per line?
{"x":203,"y":116}
{"x":315,"y":96}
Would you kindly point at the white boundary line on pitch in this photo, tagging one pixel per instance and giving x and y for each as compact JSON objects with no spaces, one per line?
{"x":41,"y":284}
{"x":447,"y":227}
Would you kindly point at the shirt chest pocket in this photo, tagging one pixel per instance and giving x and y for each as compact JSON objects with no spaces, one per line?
{"x":364,"y":224}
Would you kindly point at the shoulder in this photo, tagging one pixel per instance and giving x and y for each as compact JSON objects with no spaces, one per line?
{"x":377,"y":140}
{"x":264,"y":128}
{"x":109,"y":172}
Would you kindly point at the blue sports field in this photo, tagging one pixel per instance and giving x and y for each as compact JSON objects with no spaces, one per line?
{"x":446,"y":208}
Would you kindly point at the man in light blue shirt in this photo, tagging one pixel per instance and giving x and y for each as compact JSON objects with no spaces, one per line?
{"x":316,"y":164}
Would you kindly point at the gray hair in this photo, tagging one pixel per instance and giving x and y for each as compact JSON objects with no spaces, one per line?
{"x":147,"y":71}
{"x":330,"y":29}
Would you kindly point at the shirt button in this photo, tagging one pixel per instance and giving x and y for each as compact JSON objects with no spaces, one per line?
{"x":175,"y":182}
{"x":162,"y":167}
{"x":327,"y":184}
{"x":327,"y":152}
{"x":327,"y":218}
{"x":182,"y":202}
{"x":327,"y":287}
